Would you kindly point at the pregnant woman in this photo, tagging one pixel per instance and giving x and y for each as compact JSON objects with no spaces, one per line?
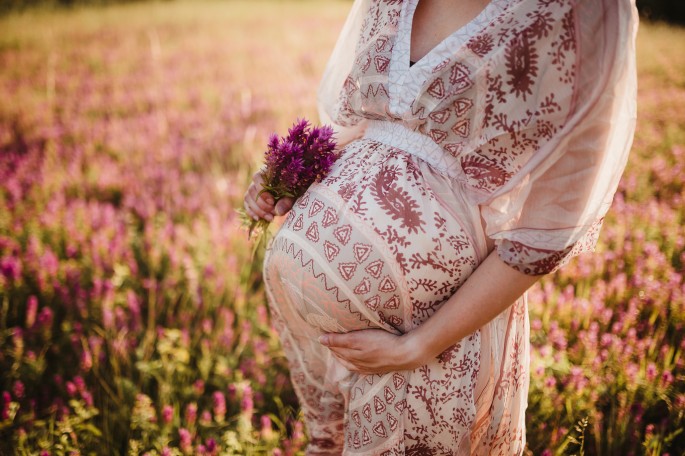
{"x":481,"y":144}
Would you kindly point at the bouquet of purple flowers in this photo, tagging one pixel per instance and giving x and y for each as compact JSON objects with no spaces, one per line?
{"x":293,"y":163}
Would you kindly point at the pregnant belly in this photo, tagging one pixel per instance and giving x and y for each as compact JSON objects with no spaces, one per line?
{"x":372,"y":246}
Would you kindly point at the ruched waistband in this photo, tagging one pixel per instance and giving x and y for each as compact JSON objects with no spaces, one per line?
{"x":396,"y":135}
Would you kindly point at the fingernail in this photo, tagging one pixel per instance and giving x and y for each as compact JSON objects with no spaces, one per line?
{"x":323,"y":339}
{"x":279,"y":211}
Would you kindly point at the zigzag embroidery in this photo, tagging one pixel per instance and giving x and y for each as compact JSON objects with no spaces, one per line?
{"x":289,"y":248}
{"x":370,"y":92}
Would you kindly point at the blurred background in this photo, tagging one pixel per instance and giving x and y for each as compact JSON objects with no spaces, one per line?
{"x":132,"y":316}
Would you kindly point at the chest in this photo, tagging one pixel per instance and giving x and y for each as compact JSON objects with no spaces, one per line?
{"x":435,"y":20}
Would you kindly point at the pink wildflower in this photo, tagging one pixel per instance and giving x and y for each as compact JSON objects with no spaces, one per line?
{"x":247,"y":404}
{"x":199,"y":386}
{"x":18,"y":389}
{"x":266,"y":428}
{"x":31,"y":310}
{"x":6,"y":400}
{"x":167,"y":414}
{"x":186,"y":441}
{"x":191,"y":414}
{"x":205,"y":418}
{"x":71,"y":389}
{"x":219,"y":406}
{"x":667,"y":378}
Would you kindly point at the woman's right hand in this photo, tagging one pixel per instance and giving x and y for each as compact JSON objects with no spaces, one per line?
{"x":263,"y":206}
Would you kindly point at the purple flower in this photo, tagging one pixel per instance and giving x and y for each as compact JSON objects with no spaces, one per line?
{"x":266,"y":430}
{"x":167,"y":414}
{"x":10,"y":267}
{"x":199,"y":386}
{"x":206,"y":418}
{"x":6,"y":399}
{"x":247,"y":403}
{"x":71,"y":389}
{"x":18,"y":389}
{"x":294,"y":162}
{"x":191,"y":414}
{"x":219,"y":406}
{"x":185,"y":438}
{"x":31,"y":310}
{"x":667,"y":378}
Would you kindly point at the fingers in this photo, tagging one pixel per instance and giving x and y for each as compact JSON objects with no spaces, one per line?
{"x":258,"y":205}
{"x":332,"y":340}
{"x":284,"y":205}
{"x":263,"y":205}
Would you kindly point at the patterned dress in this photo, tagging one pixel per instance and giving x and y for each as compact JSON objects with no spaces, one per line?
{"x":448,"y":156}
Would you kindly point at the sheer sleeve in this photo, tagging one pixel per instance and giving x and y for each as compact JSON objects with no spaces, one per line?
{"x":552,"y":209}
{"x":338,"y":68}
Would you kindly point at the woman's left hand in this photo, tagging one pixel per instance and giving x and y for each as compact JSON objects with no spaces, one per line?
{"x":374,"y":351}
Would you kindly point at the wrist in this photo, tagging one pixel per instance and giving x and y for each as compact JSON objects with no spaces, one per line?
{"x":414,"y":350}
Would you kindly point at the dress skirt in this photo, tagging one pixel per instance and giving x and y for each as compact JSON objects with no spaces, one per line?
{"x":382,"y":242}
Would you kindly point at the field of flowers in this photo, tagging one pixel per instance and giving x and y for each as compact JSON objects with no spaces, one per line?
{"x":132,"y":319}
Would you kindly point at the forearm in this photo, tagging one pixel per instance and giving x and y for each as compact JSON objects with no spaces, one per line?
{"x":491,"y":288}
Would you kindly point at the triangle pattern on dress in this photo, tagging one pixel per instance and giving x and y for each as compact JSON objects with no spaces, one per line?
{"x":437,"y":135}
{"x":302,"y":203}
{"x":342,"y":234}
{"x":440,"y":116}
{"x":381,"y":42}
{"x":379,"y":429}
{"x":454,"y":148}
{"x":397,"y":380}
{"x":366,"y":411}
{"x":392,"y":303}
{"x":459,"y":77}
{"x":363,"y":287}
{"x":372,"y":303}
{"x":298,"y":223}
{"x":378,"y":405}
{"x":361,"y":252}
{"x":437,"y":89}
{"x":313,"y":232}
{"x":375,"y":268}
{"x":462,"y":105}
{"x":329,"y":218}
{"x":395,"y":320}
{"x":315,"y":208}
{"x":366,"y":438}
{"x":386,"y":285}
{"x":381,"y":63}
{"x":331,"y":250}
{"x":389,"y":395}
{"x":347,"y":270}
{"x":392,"y":421}
{"x":462,"y":128}
{"x":355,"y":417}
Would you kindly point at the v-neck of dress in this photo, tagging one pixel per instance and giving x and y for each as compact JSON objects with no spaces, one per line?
{"x":405,"y":79}
{"x":412,"y":5}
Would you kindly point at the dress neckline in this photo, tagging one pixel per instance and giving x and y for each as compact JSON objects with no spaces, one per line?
{"x":409,"y":29}
{"x":405,"y":81}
